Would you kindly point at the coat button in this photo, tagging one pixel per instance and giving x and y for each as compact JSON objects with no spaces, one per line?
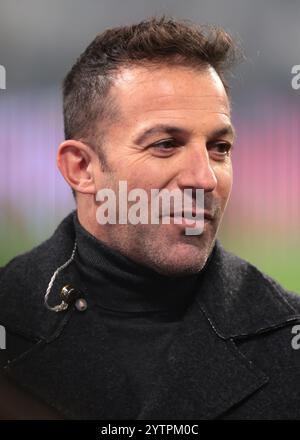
{"x":81,"y":304}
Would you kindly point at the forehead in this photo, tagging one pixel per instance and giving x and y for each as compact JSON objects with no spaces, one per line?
{"x":170,"y":92}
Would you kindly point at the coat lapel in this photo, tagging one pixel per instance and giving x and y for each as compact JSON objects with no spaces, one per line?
{"x":204,"y":375}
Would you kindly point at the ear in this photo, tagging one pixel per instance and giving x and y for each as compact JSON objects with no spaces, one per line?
{"x":76,"y":162}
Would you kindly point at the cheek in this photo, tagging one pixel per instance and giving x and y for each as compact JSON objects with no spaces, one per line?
{"x":147,"y":177}
{"x":224,"y":179}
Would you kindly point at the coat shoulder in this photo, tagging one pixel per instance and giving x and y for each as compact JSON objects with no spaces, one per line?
{"x":246,"y":273}
{"x":24,"y":281}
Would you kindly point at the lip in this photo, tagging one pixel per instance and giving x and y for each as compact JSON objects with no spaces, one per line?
{"x":192,"y":214}
{"x":187,"y":221}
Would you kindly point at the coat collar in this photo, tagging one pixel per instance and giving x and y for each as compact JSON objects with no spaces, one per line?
{"x":239,"y":300}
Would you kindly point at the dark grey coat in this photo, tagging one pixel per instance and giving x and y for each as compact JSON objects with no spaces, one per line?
{"x":232,"y":356}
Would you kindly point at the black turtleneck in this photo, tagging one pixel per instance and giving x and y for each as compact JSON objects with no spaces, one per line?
{"x":121,"y":285}
{"x":140,"y":308}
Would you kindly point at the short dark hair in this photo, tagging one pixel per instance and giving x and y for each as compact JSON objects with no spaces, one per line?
{"x":156,"y":40}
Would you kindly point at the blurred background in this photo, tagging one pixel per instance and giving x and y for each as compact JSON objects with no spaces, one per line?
{"x":39,"y":42}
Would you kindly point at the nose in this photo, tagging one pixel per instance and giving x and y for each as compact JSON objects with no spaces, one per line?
{"x":196,"y":171}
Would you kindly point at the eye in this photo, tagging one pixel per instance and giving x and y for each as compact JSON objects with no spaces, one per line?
{"x":221,"y":149}
{"x":164,"y":147}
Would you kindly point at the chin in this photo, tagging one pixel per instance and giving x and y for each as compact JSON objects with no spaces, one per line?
{"x":181,"y":270}
{"x":185,"y":260}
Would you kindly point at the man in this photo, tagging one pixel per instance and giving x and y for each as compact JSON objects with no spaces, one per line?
{"x":139,"y":320}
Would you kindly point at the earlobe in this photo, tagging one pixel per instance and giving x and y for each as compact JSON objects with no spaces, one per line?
{"x":74,"y":160}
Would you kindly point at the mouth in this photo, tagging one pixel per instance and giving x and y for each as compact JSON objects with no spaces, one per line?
{"x":190,"y":223}
{"x":193,"y":215}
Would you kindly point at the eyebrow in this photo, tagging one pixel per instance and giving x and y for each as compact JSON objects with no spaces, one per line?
{"x":227,"y":130}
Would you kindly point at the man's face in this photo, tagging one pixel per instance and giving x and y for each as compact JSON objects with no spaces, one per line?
{"x":173,"y":132}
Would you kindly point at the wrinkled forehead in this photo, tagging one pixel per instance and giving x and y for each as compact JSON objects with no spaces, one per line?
{"x":142,"y":92}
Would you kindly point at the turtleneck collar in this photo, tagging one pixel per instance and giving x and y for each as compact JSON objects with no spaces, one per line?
{"x":120,"y":284}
